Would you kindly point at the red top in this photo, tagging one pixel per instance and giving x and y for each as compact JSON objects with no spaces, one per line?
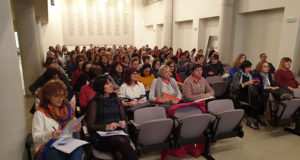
{"x":285,"y":78}
{"x":75,"y":76}
{"x":86,"y":94}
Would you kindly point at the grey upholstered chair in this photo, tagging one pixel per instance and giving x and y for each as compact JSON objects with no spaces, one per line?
{"x":192,"y":123}
{"x":228,"y":120}
{"x":214,"y":79}
{"x":219,"y":88}
{"x":150,"y":129}
{"x":283,"y":112}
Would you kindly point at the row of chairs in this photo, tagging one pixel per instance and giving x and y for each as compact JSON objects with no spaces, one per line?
{"x":152,"y":130}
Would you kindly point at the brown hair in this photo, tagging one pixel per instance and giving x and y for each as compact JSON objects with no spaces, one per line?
{"x":236,"y":63}
{"x":259,"y":66}
{"x":282,"y":61}
{"x":51,"y":88}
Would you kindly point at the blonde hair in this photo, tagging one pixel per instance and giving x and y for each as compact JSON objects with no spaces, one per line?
{"x":236,"y":63}
{"x":162,"y":69}
{"x":282,"y":61}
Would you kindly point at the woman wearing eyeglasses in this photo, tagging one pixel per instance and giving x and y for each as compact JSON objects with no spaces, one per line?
{"x":131,"y":92}
{"x":50,"y":118}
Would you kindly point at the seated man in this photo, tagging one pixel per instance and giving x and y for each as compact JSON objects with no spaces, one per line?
{"x":195,"y":86}
{"x":215,"y":67}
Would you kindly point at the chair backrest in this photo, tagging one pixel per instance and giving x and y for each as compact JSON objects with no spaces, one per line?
{"x":187,"y":110}
{"x":297,"y":93}
{"x":150,"y":113}
{"x":219,"y":88}
{"x":229,"y":120}
{"x":214,"y":79}
{"x":194,"y":125}
{"x":219,"y":106}
{"x":291,"y":107}
{"x":155,"y":131}
{"x":226,"y":68}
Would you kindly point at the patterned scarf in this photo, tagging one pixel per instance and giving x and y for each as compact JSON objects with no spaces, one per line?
{"x":63,"y":117}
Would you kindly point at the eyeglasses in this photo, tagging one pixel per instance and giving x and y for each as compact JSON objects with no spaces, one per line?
{"x":172,"y":66}
{"x":58,"y":96}
{"x":266,"y":66}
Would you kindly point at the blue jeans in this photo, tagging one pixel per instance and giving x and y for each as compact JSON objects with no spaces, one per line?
{"x":54,"y":154}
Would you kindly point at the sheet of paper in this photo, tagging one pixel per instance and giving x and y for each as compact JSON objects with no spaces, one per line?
{"x":112,"y":133}
{"x":70,"y":144}
{"x":204,"y":99}
{"x":69,"y":129}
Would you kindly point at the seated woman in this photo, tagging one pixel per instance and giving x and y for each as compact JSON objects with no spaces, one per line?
{"x":236,"y":64}
{"x":106,"y":113}
{"x":104,"y":62}
{"x":215,"y":67}
{"x":265,"y":85}
{"x":125,"y":61}
{"x":51,"y":63}
{"x":284,"y":77}
{"x":83,"y":77}
{"x":131,"y":92}
{"x":116,"y":75}
{"x":173,"y":70}
{"x":241,"y":83}
{"x":80,"y":59}
{"x":199,"y":59}
{"x":155,"y":67}
{"x":167,"y":85}
{"x":86,"y":92}
{"x":195,"y":86}
{"x":53,"y":114}
{"x":145,"y":76}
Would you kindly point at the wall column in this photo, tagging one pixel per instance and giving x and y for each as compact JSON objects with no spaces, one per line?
{"x":39,"y":39}
{"x":26,"y":28}
{"x":225,"y":29}
{"x":168,"y":23}
{"x":12,"y":108}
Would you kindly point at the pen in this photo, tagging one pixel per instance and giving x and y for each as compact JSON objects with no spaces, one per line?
{"x":54,"y":128}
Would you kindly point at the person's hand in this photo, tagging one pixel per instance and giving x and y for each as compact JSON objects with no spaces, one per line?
{"x":77,"y":127}
{"x":141,"y":100}
{"x":299,"y":86}
{"x":122,"y":124}
{"x":206,"y":95}
{"x":180,"y":84}
{"x":211,"y":73}
{"x":56,"y":134}
{"x":132,"y":103}
{"x":290,"y":88}
{"x":164,"y":101}
{"x":37,"y":91}
{"x":147,"y":88}
{"x":112,"y":126}
{"x":175,"y":101}
{"x":250,"y":82}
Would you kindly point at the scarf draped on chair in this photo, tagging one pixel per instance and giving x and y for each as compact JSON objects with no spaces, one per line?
{"x":63,"y":117}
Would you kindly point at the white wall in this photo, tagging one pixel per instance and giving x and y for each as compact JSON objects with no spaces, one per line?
{"x":182,"y":33}
{"x":262,"y":31}
{"x":211,"y":29}
{"x":52,"y":31}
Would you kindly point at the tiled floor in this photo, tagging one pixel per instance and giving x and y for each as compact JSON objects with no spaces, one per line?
{"x":267,"y":144}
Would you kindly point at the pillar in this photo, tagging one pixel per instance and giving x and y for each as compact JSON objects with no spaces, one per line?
{"x":168,"y":23}
{"x":225,"y":30}
{"x":12,"y":108}
{"x":27,"y":33}
{"x":39,"y":39}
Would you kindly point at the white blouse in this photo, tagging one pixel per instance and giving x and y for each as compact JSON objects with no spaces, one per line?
{"x":42,"y":127}
{"x":127,"y":91}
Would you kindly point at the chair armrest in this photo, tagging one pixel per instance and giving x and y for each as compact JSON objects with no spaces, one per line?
{"x":133,"y":130}
{"x":215,"y":123}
